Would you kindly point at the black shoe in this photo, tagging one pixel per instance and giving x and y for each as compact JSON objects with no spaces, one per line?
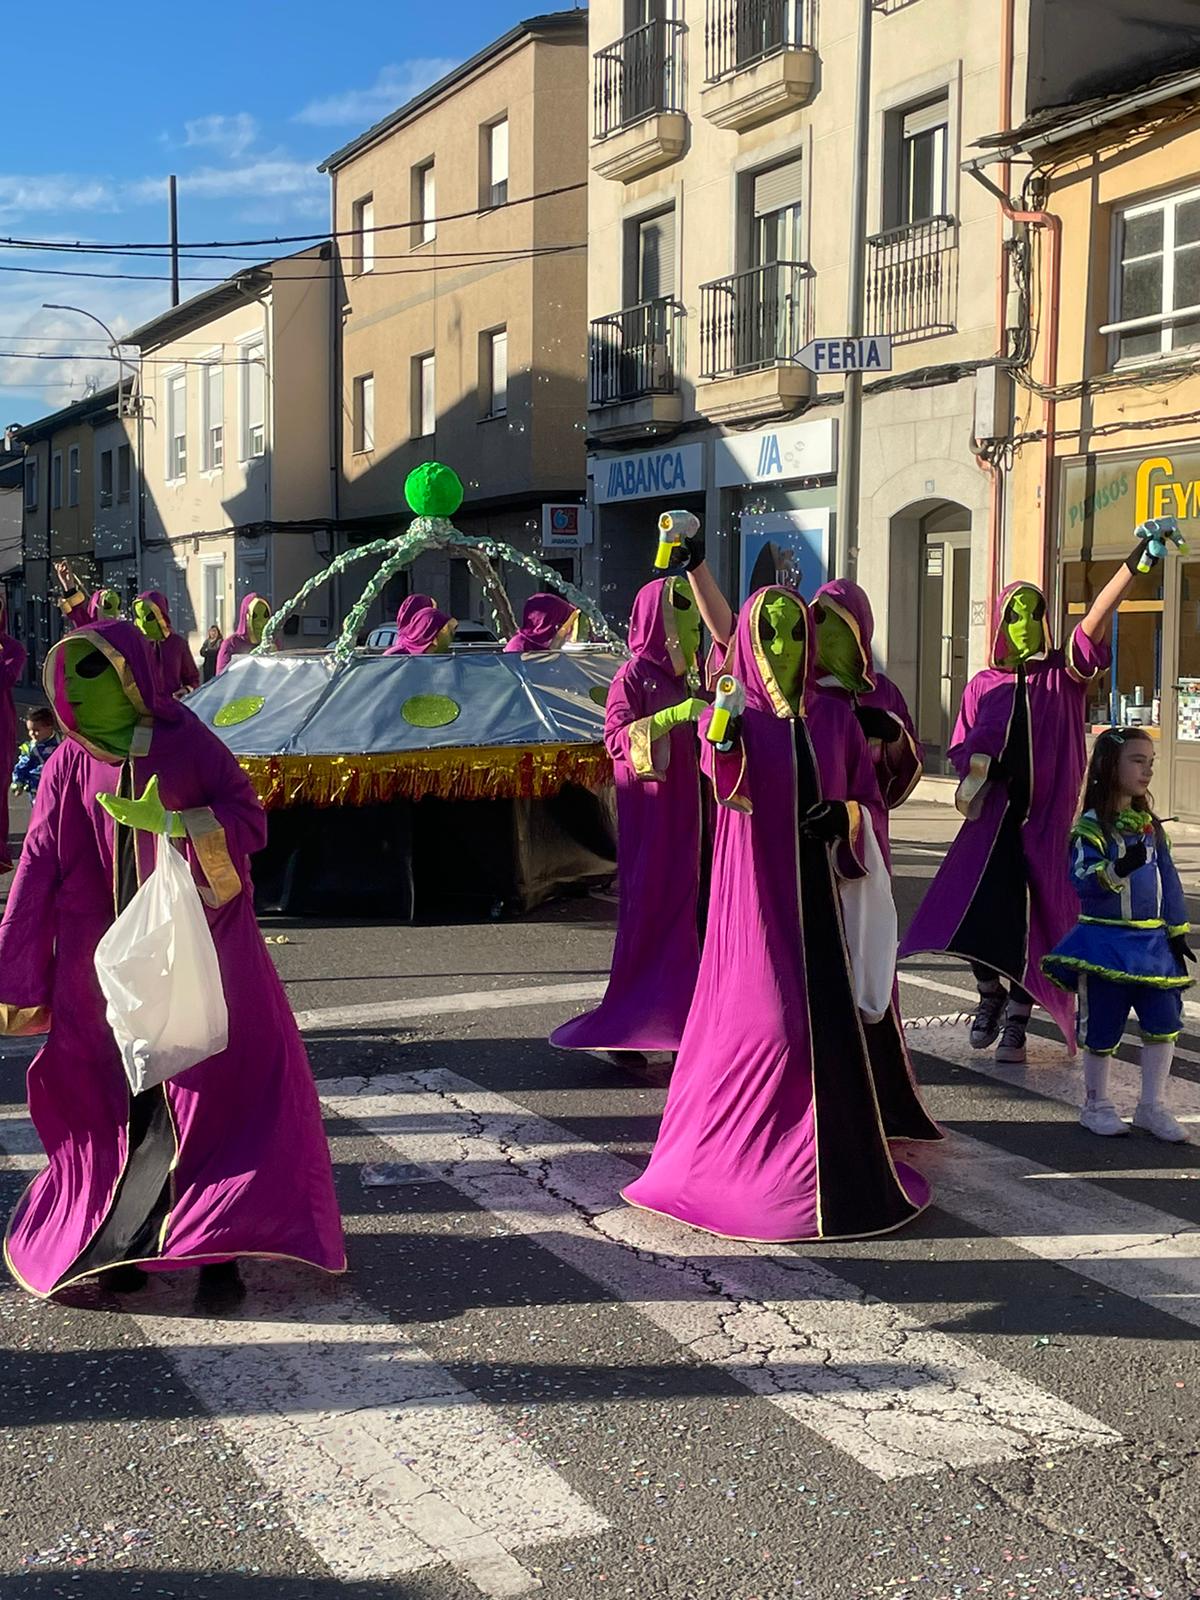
{"x":1011,"y":1048}
{"x":627,"y":1060}
{"x":985,"y":1029}
{"x":124,"y":1280}
{"x":221,"y":1287}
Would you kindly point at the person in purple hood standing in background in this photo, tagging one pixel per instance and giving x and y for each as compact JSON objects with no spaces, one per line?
{"x":1001,"y":899}
{"x":227,"y":1159}
{"x":177,"y":672}
{"x":253,"y":616}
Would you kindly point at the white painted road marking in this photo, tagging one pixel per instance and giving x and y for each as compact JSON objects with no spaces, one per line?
{"x":1191,"y":1008}
{"x":387,"y":1011}
{"x":865,"y":1376}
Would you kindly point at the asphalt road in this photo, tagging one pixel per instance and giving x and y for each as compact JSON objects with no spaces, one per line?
{"x":523,"y":1385}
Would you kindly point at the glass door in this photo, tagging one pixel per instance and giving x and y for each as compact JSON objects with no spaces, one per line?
{"x":1179,"y":796}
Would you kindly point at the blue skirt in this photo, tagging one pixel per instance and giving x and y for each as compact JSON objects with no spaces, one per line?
{"x":1124,"y":955}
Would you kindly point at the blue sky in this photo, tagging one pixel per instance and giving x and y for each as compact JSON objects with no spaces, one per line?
{"x":242,"y":104}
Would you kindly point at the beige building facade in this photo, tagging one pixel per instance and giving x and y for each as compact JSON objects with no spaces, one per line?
{"x":461,"y":228}
{"x":721,"y":154}
{"x":233,"y":447}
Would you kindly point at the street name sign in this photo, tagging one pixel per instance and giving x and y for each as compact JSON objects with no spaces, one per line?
{"x":847,"y":355}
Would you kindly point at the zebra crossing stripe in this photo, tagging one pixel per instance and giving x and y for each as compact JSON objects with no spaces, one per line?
{"x":899,"y":1398}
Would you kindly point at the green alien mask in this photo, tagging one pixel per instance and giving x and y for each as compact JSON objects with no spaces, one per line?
{"x":781,"y":632}
{"x":256,"y":621}
{"x":1023,"y":626}
{"x":838,"y":650}
{"x":687,"y":621}
{"x":110,"y":604}
{"x":99,"y":705}
{"x":148,"y":619}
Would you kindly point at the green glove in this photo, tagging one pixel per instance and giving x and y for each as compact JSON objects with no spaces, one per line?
{"x":148,"y":814}
{"x":686,"y":711}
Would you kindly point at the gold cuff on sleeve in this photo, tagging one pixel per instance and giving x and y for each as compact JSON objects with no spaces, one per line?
{"x":644,"y":754}
{"x":207,"y":838}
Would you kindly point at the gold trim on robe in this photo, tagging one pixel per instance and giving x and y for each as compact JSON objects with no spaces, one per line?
{"x":207,"y":839}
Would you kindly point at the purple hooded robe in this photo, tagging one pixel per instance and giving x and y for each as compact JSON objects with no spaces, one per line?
{"x":773,"y":1130}
{"x":409,"y":607}
{"x":229,"y":1158}
{"x":545,"y":623}
{"x":1001,"y":896}
{"x":417,"y":631}
{"x":239,"y":642}
{"x":172,"y":659}
{"x":897,"y":765}
{"x":659,"y":836}
{"x":12,"y":664}
{"x":80,"y":611}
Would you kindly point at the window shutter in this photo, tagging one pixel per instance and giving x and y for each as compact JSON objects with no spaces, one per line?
{"x":499,"y":139}
{"x":778,"y":188}
{"x":656,"y":256}
{"x":922,"y":119}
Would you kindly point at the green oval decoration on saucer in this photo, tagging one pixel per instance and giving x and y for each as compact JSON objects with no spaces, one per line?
{"x":433,"y":490}
{"x":430,"y":710}
{"x":599,"y":694}
{"x":239,"y":711}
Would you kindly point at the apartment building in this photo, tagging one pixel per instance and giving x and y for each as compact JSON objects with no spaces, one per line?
{"x":1108,"y":397}
{"x":461,"y":225}
{"x":233,"y":452}
{"x":721,"y":155}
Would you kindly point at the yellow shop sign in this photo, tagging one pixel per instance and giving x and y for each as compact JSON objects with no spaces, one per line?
{"x":1161,"y":491}
{"x":1104,"y":498}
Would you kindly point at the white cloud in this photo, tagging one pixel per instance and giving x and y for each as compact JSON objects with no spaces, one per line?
{"x":268,"y":176}
{"x":232,"y":136}
{"x":392,"y":88}
{"x":28,"y":326}
{"x":51,"y":191}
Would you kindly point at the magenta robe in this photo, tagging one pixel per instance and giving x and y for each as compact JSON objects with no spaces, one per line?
{"x":418,"y":623}
{"x":239,"y":642}
{"x":1002,"y":897}
{"x":174,"y":665}
{"x":12,"y":664}
{"x":410,"y":606}
{"x":659,"y":835}
{"x":773,"y":1130}
{"x":252,"y":1173}
{"x":543,"y":622}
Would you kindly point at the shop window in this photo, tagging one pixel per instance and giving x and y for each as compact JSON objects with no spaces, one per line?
{"x":1131,"y":691}
{"x":1156,"y":295}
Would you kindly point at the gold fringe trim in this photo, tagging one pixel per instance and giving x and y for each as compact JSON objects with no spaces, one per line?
{"x":493,"y":772}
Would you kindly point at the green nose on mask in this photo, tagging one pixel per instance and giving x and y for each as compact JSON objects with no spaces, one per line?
{"x":687,"y":621}
{"x":99,"y":706}
{"x":147,"y":618}
{"x":781,"y":632}
{"x":838,"y":650}
{"x":260,"y":615}
{"x":1023,"y":626}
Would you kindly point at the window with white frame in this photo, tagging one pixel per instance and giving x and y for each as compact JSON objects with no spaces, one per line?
{"x":31,"y":483}
{"x":56,"y":481}
{"x":364,"y":234}
{"x":425,"y":202}
{"x":495,"y":187}
{"x":212,"y":571}
{"x":124,"y":474}
{"x":212,"y":402}
{"x":73,"y":475}
{"x":177,"y":425}
{"x":364,"y":413}
{"x":1157,"y":289}
{"x":424,"y":400}
{"x":106,"y":479}
{"x":493,"y":352}
{"x":254,"y":401}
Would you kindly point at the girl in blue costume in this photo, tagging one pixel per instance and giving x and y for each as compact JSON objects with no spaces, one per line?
{"x":1129,"y":949}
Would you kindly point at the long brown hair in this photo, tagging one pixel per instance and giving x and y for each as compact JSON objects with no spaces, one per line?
{"x":1100,"y":791}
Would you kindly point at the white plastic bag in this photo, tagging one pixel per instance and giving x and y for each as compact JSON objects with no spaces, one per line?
{"x":869,"y":917}
{"x":158,"y":972}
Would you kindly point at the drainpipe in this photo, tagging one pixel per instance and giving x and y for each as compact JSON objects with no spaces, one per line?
{"x":996,"y":496}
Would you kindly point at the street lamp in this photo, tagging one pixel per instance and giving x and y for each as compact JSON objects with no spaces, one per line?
{"x":113,"y":345}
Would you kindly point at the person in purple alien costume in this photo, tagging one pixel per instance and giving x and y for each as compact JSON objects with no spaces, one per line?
{"x":227,"y":1159}
{"x":1001,"y":899}
{"x":650,"y":732}
{"x":773,"y":1129}
{"x":548,"y":621}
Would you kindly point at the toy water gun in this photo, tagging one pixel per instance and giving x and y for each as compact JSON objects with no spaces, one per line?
{"x":1161,"y":532}
{"x":673,"y":528}
{"x":728,"y":706}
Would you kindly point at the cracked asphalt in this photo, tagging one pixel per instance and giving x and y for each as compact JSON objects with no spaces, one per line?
{"x":525,"y":1386}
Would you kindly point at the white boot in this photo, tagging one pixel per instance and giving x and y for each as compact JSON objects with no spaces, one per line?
{"x":1098,"y":1114}
{"x":1151,"y":1114}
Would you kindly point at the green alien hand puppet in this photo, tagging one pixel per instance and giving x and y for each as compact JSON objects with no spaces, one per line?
{"x":838,"y":650}
{"x":149,"y":619}
{"x":101,"y":709}
{"x":256,"y":621}
{"x":148,"y":814}
{"x":1024,"y":626}
{"x":782,"y":634}
{"x":690,"y":710}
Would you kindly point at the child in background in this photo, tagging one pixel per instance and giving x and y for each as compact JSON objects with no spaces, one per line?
{"x":35,"y":752}
{"x":1129,"y":949}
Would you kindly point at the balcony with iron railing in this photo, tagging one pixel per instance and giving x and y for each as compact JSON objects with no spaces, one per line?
{"x":912,"y":280}
{"x":759,"y":59}
{"x":638,"y":118}
{"x":633,"y":369}
{"x":753,"y":325}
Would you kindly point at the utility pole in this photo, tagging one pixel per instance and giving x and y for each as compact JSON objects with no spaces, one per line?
{"x":850,"y":463}
{"x":173,"y":223}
